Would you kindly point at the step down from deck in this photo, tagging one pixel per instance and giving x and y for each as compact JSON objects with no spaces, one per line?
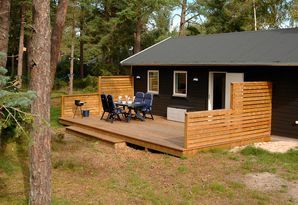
{"x":81,"y":132}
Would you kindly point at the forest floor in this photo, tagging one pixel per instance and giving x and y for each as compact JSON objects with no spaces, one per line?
{"x":88,"y":172}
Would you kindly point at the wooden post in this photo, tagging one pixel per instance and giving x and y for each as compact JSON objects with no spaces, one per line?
{"x":133,"y":85}
{"x":99,"y":85}
{"x":185,"y":131}
{"x":62,"y":106}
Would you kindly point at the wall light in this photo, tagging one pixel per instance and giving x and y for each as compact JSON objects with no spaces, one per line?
{"x":138,"y":77}
{"x":195,"y":79}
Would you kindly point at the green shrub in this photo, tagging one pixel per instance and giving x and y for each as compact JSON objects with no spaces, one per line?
{"x":60,"y":84}
{"x":89,"y":81}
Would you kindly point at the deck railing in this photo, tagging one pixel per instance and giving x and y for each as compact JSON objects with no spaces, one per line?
{"x":248,"y":120}
{"x":92,"y":103}
{"x":115,"y":85}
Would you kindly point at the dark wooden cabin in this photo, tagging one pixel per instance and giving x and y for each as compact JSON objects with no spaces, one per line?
{"x":195,"y":73}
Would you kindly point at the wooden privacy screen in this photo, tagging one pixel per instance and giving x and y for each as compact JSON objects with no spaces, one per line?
{"x":92,"y":103}
{"x":248,"y":120}
{"x":116,"y":85}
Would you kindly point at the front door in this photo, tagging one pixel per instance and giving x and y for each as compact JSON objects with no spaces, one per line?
{"x":220,"y":89}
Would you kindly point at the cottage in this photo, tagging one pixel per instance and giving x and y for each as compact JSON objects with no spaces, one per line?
{"x":195,"y":73}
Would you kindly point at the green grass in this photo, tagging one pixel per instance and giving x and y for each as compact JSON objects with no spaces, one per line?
{"x":55,"y":114}
{"x":217,"y":187}
{"x":221,"y":189}
{"x":138,"y":187}
{"x":68,"y":164}
{"x":236,"y":185}
{"x":58,"y":93}
{"x":60,"y":201}
{"x":260,"y":197}
{"x":182,"y":169}
{"x":7,"y":165}
{"x":262,"y":160}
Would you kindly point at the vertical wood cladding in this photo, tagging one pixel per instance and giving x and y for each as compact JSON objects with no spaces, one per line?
{"x":197,"y":91}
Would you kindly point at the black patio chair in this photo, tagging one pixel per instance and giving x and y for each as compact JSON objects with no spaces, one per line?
{"x":114,"y":112}
{"x":105,"y":105}
{"x":147,"y":107}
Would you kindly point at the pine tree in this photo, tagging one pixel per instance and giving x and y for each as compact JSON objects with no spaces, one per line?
{"x":13,"y":107}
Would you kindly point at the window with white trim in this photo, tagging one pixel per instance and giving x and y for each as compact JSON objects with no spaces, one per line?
{"x":180,"y":84}
{"x":153,"y":81}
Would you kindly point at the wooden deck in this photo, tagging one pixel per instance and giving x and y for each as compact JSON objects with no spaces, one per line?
{"x":159,"y":134}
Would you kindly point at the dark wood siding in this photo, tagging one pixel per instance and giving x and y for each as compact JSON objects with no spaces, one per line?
{"x":285,"y":91}
{"x":197,"y":91}
{"x":284,"y":98}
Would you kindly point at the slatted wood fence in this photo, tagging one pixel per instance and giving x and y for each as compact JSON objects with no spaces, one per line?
{"x":116,"y":85}
{"x":92,"y":103}
{"x":248,"y":120}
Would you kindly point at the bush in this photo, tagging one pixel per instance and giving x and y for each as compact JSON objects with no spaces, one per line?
{"x":89,"y":81}
{"x":60,"y":84}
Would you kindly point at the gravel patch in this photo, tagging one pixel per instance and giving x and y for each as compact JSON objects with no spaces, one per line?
{"x":278,"y":146}
{"x":264,"y":181}
{"x":267,"y":182}
{"x":273,"y":146}
{"x":293,"y":191}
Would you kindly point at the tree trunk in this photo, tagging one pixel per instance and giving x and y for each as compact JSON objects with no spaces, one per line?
{"x":29,"y":60}
{"x":137,"y":36}
{"x":57,"y":37}
{"x":40,"y":148}
{"x":72,"y":56}
{"x":82,"y":46}
{"x":182,"y":18}
{"x":21,"y":48}
{"x":12,"y":66}
{"x":4,"y":29}
{"x":255,"y":15}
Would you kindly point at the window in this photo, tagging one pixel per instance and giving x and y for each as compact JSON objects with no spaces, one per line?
{"x":180,"y":83}
{"x":153,"y":81}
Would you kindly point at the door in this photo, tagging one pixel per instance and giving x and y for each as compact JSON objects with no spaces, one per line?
{"x":220,"y":89}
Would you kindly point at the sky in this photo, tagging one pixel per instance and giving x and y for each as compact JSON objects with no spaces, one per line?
{"x":175,"y":20}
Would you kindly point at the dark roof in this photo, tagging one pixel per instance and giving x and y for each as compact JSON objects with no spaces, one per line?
{"x":270,"y":47}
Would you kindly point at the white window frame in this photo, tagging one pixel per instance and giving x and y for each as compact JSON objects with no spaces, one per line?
{"x":148,"y":90}
{"x":174,"y":83}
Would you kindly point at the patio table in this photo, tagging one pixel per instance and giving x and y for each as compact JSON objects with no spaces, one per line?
{"x":131,"y":106}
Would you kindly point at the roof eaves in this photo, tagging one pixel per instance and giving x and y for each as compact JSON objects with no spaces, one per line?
{"x":223,"y":64}
{"x":123,"y":61}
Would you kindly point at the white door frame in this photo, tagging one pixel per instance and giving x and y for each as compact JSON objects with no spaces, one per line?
{"x":227,"y":88}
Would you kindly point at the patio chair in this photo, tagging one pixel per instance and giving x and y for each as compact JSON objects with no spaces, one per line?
{"x":147,"y":107}
{"x":139,"y":97}
{"x":138,"y":105}
{"x":114,"y":112}
{"x":105,"y":105}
